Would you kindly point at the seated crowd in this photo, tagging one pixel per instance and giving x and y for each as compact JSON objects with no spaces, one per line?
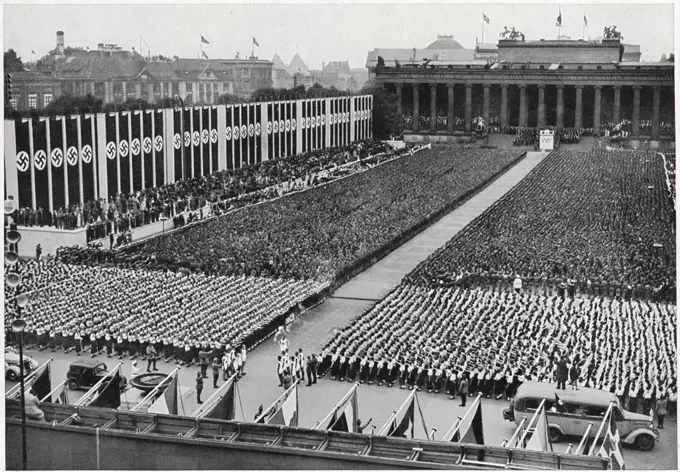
{"x":74,"y":305}
{"x":124,"y":212}
{"x":322,"y":233}
{"x":430,"y":338}
{"x":602,"y":219}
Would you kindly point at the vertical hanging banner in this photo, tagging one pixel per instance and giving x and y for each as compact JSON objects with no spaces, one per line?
{"x":293,"y":127}
{"x":196,"y":140}
{"x":178,"y":142}
{"x":319,"y":127}
{"x":40,"y":163}
{"x":148,"y":138}
{"x":136,"y":151}
{"x":161,"y":155}
{"x":187,"y":172}
{"x":88,"y":156}
{"x":229,"y":136}
{"x":303,"y":126}
{"x":236,"y":130}
{"x":246,"y":137}
{"x":124,"y":152}
{"x":275,"y":130}
{"x":258,"y":133}
{"x":57,"y":162}
{"x":315,"y":134}
{"x":205,"y":139}
{"x":324,"y":144}
{"x":269,"y":130}
{"x":290,"y":134}
{"x":23,"y":166}
{"x":214,"y":136}
{"x":72,"y":157}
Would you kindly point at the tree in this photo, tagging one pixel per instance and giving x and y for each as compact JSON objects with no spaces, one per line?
{"x":228,"y":99}
{"x":387,"y":121}
{"x":12,"y":62}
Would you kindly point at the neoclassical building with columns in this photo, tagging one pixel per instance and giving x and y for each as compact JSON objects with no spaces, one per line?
{"x":548,"y":83}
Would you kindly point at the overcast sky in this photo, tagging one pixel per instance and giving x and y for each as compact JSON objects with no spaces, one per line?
{"x":319,"y":32}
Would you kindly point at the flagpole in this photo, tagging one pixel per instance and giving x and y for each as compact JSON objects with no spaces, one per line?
{"x":452,"y":430}
{"x":533,"y":418}
{"x":53,"y":391}
{"x":337,"y":406}
{"x":264,"y":412}
{"x":403,"y":405}
{"x":597,"y":436}
{"x":482,"y":27}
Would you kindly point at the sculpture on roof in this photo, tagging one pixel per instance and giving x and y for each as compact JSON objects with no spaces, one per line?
{"x":512,"y":34}
{"x":610,"y":32}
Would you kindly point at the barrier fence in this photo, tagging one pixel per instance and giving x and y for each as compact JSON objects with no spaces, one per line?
{"x":56,"y":162}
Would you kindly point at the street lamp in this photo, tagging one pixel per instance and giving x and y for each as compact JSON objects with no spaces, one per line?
{"x":181,"y":125}
{"x":13,"y":279}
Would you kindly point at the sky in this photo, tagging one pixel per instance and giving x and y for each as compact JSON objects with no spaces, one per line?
{"x":319,"y":32}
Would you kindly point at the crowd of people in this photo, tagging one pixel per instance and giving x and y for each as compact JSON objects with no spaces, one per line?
{"x":431,"y":338}
{"x":321,"y":233}
{"x":119,"y":309}
{"x":600,"y":218}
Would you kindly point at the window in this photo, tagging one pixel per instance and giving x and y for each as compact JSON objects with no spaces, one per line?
{"x":47,"y":98}
{"x":593,"y":410}
{"x":13,"y":103}
{"x":33,"y":100}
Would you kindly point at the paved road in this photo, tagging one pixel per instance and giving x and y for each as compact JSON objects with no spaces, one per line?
{"x":314,"y":328}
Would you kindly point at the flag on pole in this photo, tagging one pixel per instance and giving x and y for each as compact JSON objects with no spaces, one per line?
{"x":204,"y":41}
{"x":403,"y":421}
{"x":42,"y":385}
{"x":559,"y":19}
{"x":345,"y":417}
{"x":166,"y":404}
{"x":109,"y":396}
{"x":610,"y":448}
{"x":205,"y":55}
{"x":539,"y":440}
{"x":470,"y":429}
{"x":286,"y":412}
{"x":255,"y":42}
{"x":585,"y":20}
{"x":486,"y":18}
{"x":223,"y":409}
{"x":32,"y":51}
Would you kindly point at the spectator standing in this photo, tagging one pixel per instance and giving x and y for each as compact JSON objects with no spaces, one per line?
{"x":463,"y":390}
{"x":574,"y":374}
{"x":309,"y":371}
{"x":216,"y":370}
{"x":199,"y":386}
{"x":315,"y":366}
{"x":151,"y":356}
{"x":661,"y":410}
{"x":38,"y":252}
{"x":561,"y":373}
{"x":203,"y":359}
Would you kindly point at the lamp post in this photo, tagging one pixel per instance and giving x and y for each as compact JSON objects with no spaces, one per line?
{"x":181,"y":125}
{"x":13,"y":279}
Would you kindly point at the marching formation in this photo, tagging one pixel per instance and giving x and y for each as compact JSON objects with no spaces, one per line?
{"x":433,"y":338}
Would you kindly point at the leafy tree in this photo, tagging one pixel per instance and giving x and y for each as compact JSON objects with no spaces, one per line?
{"x":228,"y":99}
{"x":387,"y":121}
{"x":12,"y":62}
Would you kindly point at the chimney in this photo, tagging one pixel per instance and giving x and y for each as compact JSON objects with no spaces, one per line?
{"x":60,"y":43}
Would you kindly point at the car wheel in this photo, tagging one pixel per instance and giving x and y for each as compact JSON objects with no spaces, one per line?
{"x":554,"y":434}
{"x":73,"y":384}
{"x":645,"y":442}
{"x":12,"y":376}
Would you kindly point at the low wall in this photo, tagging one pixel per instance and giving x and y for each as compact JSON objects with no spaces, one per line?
{"x":49,"y":238}
{"x":424,"y":138}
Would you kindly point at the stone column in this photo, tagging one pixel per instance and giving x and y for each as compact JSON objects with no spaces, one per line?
{"x":617,"y":104}
{"x":449,"y":111}
{"x":92,"y":89}
{"x":636,"y":112}
{"x":560,"y":107}
{"x":504,"y":106}
{"x":656,"y":108}
{"x":399,"y":99}
{"x":183,"y":90}
{"x":578,"y":109}
{"x":107,"y":92}
{"x":523,"y":106}
{"x":416,"y":107}
{"x":138,"y":90}
{"x":541,"y":106}
{"x":597,"y":109}
{"x":468,"y":107}
{"x":487,"y":103}
{"x":124,"y":91}
{"x":433,"y":107}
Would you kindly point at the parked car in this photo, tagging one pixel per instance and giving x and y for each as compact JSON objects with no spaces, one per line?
{"x":12,"y":367}
{"x":84,"y":374}
{"x":577,"y":409}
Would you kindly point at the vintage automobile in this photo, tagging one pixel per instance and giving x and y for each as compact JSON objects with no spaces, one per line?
{"x":12,"y":368}
{"x":576,"y":409}
{"x":86,"y":373}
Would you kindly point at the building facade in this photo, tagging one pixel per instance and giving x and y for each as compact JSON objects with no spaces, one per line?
{"x":563,"y":84}
{"x":114,"y":75}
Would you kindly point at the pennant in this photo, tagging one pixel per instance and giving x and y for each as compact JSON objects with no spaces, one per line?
{"x":403,"y":421}
{"x":345,"y":418}
{"x":286,"y":413}
{"x":223,"y":409}
{"x":470,"y":429}
{"x":42,"y":385}
{"x":204,"y":41}
{"x":486,"y":18}
{"x":109,"y":395}
{"x":166,"y":404}
{"x":32,"y":51}
{"x":539,"y":440}
{"x":559,"y":19}
{"x":255,"y":42}
{"x":205,"y":55}
{"x":585,"y":20}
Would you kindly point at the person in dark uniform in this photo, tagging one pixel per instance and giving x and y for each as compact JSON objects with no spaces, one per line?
{"x":309,"y":371}
{"x":199,"y":386}
{"x":463,"y":390}
{"x":216,"y":364}
{"x":315,"y":366}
